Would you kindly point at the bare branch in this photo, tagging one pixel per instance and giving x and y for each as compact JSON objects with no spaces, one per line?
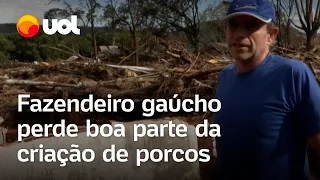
{"x":304,"y":28}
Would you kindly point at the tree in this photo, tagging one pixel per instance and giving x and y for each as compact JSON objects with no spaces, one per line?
{"x":131,"y":15}
{"x":182,"y":15}
{"x":111,"y":20}
{"x":309,"y":18}
{"x":86,"y":11}
{"x":211,"y":25}
{"x":284,"y":10}
{"x":7,"y":47}
{"x":288,"y":9}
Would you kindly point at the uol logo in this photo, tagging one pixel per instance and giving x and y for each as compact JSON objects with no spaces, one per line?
{"x":28,"y":26}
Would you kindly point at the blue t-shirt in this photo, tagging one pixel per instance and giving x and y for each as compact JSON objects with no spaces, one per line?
{"x":265,"y":118}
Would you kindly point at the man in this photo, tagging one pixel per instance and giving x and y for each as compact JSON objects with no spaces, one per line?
{"x":270,"y":105}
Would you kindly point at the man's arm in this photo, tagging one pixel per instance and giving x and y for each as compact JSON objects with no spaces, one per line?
{"x":307,"y":104}
{"x":314,"y":145}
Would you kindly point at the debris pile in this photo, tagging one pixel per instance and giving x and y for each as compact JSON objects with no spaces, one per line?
{"x":158,"y":76}
{"x":78,"y":79}
{"x":161,"y":74}
{"x":312,"y":60}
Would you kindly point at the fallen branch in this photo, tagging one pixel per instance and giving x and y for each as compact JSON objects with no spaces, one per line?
{"x":181,"y":70}
{"x":139,"y":92}
{"x":38,"y":83}
{"x":21,"y":71}
{"x":133,"y":68}
{"x":131,"y":54}
{"x":190,"y":66}
{"x":203,"y":73}
{"x":179,"y":56}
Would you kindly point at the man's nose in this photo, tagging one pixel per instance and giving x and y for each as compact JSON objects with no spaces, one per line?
{"x":240,"y":32}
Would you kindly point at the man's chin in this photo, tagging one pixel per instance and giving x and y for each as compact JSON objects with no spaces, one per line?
{"x":242,"y":56}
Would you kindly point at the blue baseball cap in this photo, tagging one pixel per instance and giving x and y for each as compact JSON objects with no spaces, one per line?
{"x":260,"y":9}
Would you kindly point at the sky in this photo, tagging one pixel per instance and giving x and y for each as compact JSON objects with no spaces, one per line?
{"x":11,"y":10}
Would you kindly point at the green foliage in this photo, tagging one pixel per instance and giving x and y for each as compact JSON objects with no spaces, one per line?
{"x":122,"y":24}
{"x":4,"y":56}
{"x":42,"y":47}
{"x":5,"y":44}
{"x":80,"y":44}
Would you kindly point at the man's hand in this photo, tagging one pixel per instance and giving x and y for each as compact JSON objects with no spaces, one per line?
{"x":314,"y":144}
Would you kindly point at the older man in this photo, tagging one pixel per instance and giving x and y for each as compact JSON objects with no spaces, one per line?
{"x":270,"y":104}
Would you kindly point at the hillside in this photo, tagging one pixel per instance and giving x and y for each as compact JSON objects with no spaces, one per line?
{"x":6,"y":28}
{"x":11,"y":28}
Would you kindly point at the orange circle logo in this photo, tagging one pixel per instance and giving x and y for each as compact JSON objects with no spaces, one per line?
{"x":27,"y":26}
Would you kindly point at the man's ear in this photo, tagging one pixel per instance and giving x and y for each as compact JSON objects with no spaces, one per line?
{"x":273,"y":35}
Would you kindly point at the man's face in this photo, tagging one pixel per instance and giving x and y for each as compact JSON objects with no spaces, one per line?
{"x":247,"y":37}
